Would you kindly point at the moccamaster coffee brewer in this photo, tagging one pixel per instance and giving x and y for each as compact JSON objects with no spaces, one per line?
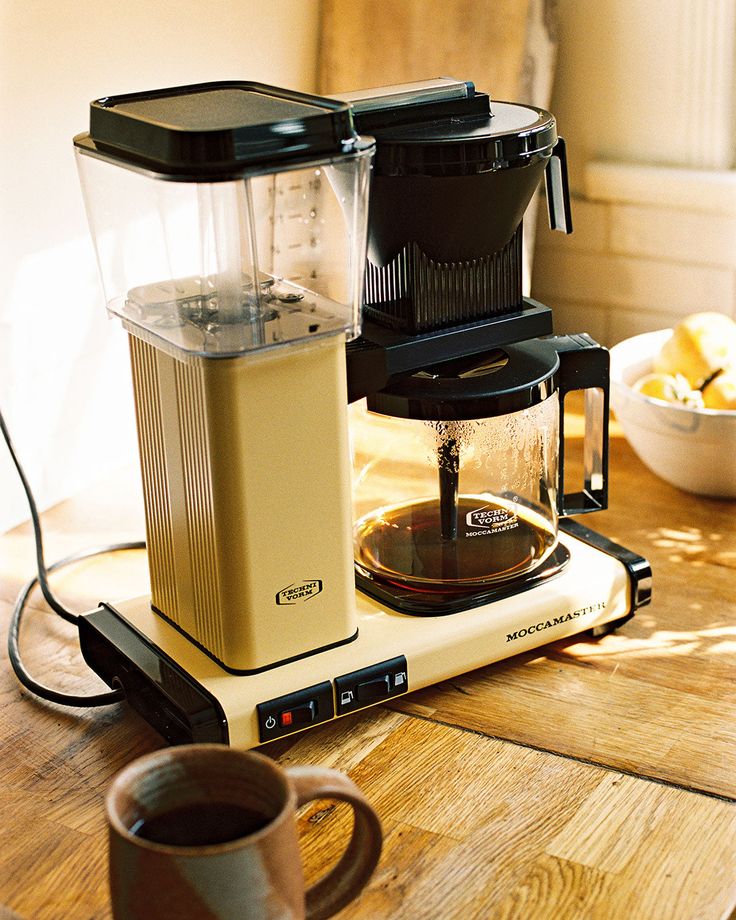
{"x":231,"y":222}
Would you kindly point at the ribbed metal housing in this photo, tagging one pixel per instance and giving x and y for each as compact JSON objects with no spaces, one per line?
{"x":175,"y":458}
{"x":196,"y":453}
{"x":414,"y":294}
{"x":159,"y":525}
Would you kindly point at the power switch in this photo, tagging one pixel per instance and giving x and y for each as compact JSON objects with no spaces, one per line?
{"x":301,"y":715}
{"x":293,"y":711}
{"x":371,"y":685}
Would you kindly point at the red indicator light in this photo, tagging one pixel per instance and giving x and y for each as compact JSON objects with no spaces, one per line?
{"x":286,"y":718}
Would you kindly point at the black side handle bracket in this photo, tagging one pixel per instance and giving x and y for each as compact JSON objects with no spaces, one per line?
{"x":558,"y":189}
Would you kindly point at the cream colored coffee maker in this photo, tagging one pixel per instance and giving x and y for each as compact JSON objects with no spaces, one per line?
{"x":236,"y":245}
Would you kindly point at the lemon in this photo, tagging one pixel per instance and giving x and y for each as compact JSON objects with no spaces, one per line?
{"x":700,"y":345}
{"x":721,"y":391}
{"x":672,"y":388}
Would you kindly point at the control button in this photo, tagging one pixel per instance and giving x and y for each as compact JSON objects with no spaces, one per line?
{"x":376,"y":689}
{"x":293,"y":711}
{"x":301,"y":715}
{"x":371,"y":685}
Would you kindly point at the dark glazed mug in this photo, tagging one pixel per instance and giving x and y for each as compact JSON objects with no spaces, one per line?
{"x":208,"y":832}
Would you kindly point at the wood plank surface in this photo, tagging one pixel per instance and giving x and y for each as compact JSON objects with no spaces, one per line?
{"x":479,"y":828}
{"x":474,"y":827}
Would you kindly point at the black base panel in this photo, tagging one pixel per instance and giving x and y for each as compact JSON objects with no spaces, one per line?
{"x":168,"y":698}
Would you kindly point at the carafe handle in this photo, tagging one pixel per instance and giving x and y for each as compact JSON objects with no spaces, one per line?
{"x":584,"y":365}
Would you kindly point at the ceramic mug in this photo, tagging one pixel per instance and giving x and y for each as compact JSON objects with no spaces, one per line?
{"x":208,"y":832}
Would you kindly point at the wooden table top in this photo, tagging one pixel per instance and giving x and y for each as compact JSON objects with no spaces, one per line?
{"x":588,"y":779}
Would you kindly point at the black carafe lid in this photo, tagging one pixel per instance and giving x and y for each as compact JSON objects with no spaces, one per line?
{"x":215,"y":131}
{"x":508,"y":379}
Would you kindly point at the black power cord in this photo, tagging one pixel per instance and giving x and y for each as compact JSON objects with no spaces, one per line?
{"x":41,"y":579}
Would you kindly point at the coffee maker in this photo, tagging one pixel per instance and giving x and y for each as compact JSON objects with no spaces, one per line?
{"x":240,"y":231}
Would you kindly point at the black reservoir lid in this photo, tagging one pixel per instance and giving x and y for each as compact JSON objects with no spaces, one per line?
{"x":508,"y":379}
{"x":217,"y":130}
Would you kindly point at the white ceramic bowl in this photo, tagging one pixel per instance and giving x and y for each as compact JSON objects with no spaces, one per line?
{"x":694,"y":449}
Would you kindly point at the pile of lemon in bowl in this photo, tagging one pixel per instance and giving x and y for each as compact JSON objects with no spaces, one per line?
{"x":696,"y":365}
{"x":674,"y":395}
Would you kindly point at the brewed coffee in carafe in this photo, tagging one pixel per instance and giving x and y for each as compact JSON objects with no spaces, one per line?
{"x":464,"y":502}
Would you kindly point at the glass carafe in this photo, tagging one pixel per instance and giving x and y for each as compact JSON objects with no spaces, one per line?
{"x":457,"y":468}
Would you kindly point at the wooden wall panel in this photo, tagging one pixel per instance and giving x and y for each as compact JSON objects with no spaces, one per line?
{"x":379,"y":42}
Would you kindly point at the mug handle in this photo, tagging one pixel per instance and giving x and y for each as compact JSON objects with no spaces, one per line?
{"x":350,"y":874}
